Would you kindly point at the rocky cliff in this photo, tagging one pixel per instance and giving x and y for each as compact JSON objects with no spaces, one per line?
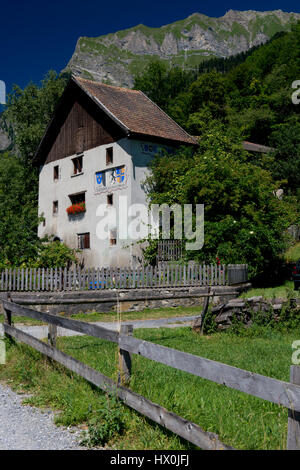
{"x":116,"y":58}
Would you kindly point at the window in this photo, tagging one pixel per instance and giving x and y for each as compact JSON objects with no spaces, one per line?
{"x":109,"y":155}
{"x":110,"y":199}
{"x":55,"y":207}
{"x":77,"y":198}
{"x":113,"y":237}
{"x":83,"y":240}
{"x":77,"y":165}
{"x":56,"y":173}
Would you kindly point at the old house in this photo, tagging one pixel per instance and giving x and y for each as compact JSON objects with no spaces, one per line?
{"x":96,"y":150}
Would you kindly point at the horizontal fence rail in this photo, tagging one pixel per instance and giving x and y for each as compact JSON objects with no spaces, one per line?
{"x":276,"y":391}
{"x":59,"y":279}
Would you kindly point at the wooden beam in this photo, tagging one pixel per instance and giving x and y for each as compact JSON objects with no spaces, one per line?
{"x":273,"y":390}
{"x":75,"y":325}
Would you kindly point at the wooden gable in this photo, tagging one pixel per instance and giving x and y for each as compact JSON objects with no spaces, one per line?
{"x":78,"y":125}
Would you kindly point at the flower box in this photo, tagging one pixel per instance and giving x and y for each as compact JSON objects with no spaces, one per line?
{"x":75,"y":209}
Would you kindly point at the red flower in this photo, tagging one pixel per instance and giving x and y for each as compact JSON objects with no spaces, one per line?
{"x":76,"y":208}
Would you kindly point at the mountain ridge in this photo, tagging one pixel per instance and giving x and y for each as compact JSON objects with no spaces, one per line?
{"x":116,"y":57}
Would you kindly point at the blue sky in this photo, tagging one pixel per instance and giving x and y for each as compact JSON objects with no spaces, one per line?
{"x":38,"y":36}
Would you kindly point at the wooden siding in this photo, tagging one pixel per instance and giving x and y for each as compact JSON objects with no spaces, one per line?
{"x":82,"y":127}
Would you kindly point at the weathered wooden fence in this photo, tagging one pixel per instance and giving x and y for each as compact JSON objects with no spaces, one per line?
{"x":276,"y":391}
{"x":237,"y":273}
{"x":57,"y":279}
{"x":169,"y":250}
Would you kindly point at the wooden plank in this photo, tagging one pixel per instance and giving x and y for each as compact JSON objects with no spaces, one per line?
{"x":102,"y":278}
{"x":56,"y":278}
{"x":34,"y":279}
{"x":47,"y":279}
{"x":10,"y":279}
{"x":273,"y":390}
{"x":6,"y":279}
{"x":184,"y":428}
{"x":39,"y":279}
{"x":293,"y":439}
{"x":69,"y":287}
{"x":74,"y":325}
{"x":14,"y":279}
{"x":87,"y":298}
{"x":51,"y":279}
{"x":30,"y":280}
{"x":97,"y":278}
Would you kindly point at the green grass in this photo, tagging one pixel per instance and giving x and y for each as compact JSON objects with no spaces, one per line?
{"x":240,"y":420}
{"x":293,"y":253}
{"x":282,"y":291}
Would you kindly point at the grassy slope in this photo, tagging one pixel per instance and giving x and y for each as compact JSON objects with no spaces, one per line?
{"x":240,"y":420}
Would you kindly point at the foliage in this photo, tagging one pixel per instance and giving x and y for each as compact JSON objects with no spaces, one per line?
{"x":18,"y":214}
{"x":55,"y":255}
{"x":105,"y":423}
{"x":252,"y":96}
{"x":244,"y":220}
{"x":29,"y":111}
{"x":25,"y":117}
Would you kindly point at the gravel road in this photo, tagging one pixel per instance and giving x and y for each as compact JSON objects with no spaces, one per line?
{"x":26,"y":428}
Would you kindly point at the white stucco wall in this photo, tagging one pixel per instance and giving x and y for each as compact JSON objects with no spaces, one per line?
{"x":135,"y":155}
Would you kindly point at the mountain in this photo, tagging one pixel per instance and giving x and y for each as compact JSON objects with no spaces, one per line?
{"x":115,"y":58}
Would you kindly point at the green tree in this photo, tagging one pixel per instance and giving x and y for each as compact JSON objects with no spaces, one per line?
{"x":18,"y":213}
{"x":26,"y":116}
{"x":29,"y":111}
{"x":244,"y":220}
{"x":285,"y":138}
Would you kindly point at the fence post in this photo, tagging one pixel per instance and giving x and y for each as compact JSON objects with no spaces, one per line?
{"x":293,"y":439}
{"x":52,"y":335}
{"x":7,"y":314}
{"x":125,"y":358}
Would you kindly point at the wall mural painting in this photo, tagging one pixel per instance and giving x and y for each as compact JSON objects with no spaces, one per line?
{"x":112,"y":178}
